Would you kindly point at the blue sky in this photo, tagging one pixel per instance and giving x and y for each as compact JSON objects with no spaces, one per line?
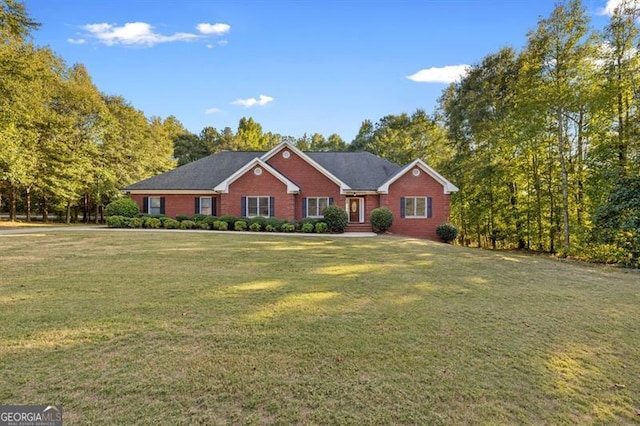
{"x":294,"y":66}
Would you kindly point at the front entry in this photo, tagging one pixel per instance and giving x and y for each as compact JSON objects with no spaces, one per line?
{"x":354,"y":210}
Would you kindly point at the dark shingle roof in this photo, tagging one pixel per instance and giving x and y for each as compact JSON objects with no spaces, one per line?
{"x":359,"y":170}
{"x":204,"y":173}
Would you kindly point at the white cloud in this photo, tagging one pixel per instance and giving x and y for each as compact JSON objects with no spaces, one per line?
{"x":133,"y":33}
{"x":611,"y":6}
{"x":76,"y":40}
{"x":446,"y":74}
{"x":251,"y":102}
{"x":212,"y":110}
{"x":215,"y":29}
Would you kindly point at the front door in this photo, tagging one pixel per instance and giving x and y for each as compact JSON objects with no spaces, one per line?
{"x":354,"y":210}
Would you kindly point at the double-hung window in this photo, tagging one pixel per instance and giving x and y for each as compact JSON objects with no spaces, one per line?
{"x":205,"y":206}
{"x":155,"y":205}
{"x":415,"y":207}
{"x":316,"y":205}
{"x":258,"y":206}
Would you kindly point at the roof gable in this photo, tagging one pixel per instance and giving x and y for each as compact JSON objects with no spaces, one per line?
{"x":223,"y":186}
{"x":447,"y":186}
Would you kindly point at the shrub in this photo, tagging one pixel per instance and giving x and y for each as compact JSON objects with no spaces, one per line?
{"x":124,"y":207}
{"x":220,"y":225}
{"x":275,"y":223}
{"x":230,"y":219}
{"x":135,"y":222}
{"x":171,"y":223}
{"x":381,"y":219}
{"x":447,"y":232}
{"x":210,"y":220}
{"x":307,"y":227}
{"x":270,"y":228}
{"x":321,"y":227}
{"x":336,"y":218}
{"x":152,"y":222}
{"x":199,"y":217}
{"x":115,"y":221}
{"x":187,"y":224}
{"x":240,"y":225}
{"x":260,"y":220}
{"x":182,"y":217}
{"x":288,"y":227}
{"x":201,"y":224}
{"x":255,"y":227}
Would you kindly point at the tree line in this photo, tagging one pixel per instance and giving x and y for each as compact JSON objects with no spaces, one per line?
{"x":543,"y":141}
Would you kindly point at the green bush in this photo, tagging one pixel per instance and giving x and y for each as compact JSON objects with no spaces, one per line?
{"x":447,"y":232}
{"x":201,"y":224}
{"x":381,"y":219}
{"x":307,"y":228}
{"x":124,"y":207}
{"x":135,"y":222}
{"x":230,"y":219}
{"x":115,"y":222}
{"x":182,"y":217}
{"x":336,"y":218}
{"x":171,"y":223}
{"x":321,"y":227}
{"x":220,"y":225}
{"x":240,"y":225}
{"x":260,"y":220}
{"x":152,"y":222}
{"x":199,"y":217}
{"x":270,"y":228}
{"x":288,"y":227}
{"x":255,"y":227}
{"x":187,"y":224}
{"x":210,"y":220}
{"x":276,"y":223}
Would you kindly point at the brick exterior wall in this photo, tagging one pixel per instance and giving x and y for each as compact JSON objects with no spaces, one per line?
{"x":175,"y":204}
{"x":417,"y":186}
{"x":311,"y":182}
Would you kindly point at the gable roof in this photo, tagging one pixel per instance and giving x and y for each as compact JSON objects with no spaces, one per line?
{"x":447,"y":186}
{"x":359,"y":170}
{"x":224,"y":185}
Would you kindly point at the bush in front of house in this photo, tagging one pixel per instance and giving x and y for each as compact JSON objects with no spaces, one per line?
{"x":270,"y":228}
{"x":230,"y":219}
{"x":307,"y":228}
{"x":336,"y":218}
{"x":240,"y":225}
{"x":135,"y":222}
{"x":171,"y":224}
{"x":287,"y":227}
{"x":182,"y":217}
{"x":187,"y":224}
{"x":124,"y":207}
{"x":381,"y":219}
{"x":274,"y":222}
{"x":255,"y":227}
{"x":260,"y":220}
{"x":115,"y":222}
{"x":220,"y":225}
{"x":321,"y":227}
{"x":152,"y":222}
{"x":447,"y":232}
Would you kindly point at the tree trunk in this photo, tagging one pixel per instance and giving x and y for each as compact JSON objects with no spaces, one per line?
{"x":28,"y":200}
{"x":565,"y":181}
{"x":45,"y":209}
{"x":12,"y":204}
{"x":67,"y":218}
{"x":537,"y":185}
{"x":85,"y":208}
{"x":97,"y":211}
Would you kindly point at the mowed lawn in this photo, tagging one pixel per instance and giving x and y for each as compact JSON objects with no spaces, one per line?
{"x":221,"y":328}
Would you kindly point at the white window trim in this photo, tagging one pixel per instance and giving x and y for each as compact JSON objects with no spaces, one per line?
{"x":317,"y":205}
{"x":210,"y":205}
{"x":406,"y":214}
{"x":258,"y":205}
{"x":159,"y":206}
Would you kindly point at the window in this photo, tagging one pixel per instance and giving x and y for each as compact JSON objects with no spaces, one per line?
{"x":315,"y":206}
{"x":155,"y":205}
{"x":258,"y":206}
{"x":415,"y":207}
{"x":206,"y":206}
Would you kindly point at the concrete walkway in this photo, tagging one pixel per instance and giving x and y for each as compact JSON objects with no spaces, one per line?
{"x":46,"y":229}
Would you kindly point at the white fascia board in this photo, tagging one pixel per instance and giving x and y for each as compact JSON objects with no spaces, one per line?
{"x":223,"y":187}
{"x":447,"y":186}
{"x":343,"y":186}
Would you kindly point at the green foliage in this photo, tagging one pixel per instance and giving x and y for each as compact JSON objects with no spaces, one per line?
{"x":199,"y":217}
{"x":270,"y":228}
{"x":135,"y":222}
{"x":240,"y":225}
{"x":230,"y":219}
{"x":336,"y":218}
{"x":116,"y":222}
{"x":201,"y":224}
{"x":260,"y":220}
{"x":152,"y":222}
{"x":447,"y":232}
{"x":220,"y":225}
{"x":321,"y":228}
{"x":255,"y":227}
{"x":187,"y":224}
{"x":169,"y":223}
{"x":307,"y":228}
{"x":288,"y":227}
{"x":182,"y":217}
{"x":122,"y":207}
{"x":274,"y":222}
{"x":381,"y":219}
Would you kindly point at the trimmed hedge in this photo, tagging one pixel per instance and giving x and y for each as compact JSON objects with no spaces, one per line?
{"x":336,"y":218}
{"x":381,"y":219}
{"x":124,"y":207}
{"x":447,"y":232}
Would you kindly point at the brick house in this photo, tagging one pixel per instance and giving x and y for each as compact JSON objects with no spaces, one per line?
{"x":290,"y":184}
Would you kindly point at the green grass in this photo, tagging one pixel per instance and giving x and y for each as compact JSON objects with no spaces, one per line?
{"x":197,"y":328}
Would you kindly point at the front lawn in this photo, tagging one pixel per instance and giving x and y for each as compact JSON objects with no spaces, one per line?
{"x":203,"y":328}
